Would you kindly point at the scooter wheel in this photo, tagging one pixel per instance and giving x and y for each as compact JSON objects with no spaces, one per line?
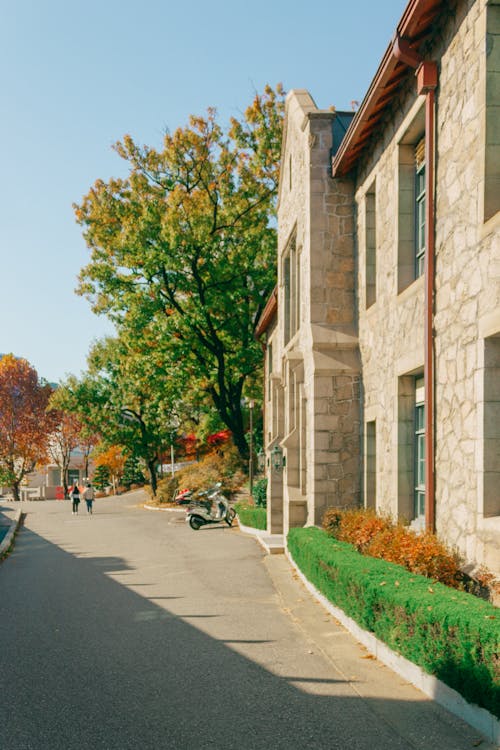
{"x":195,"y":522}
{"x":230,"y":516}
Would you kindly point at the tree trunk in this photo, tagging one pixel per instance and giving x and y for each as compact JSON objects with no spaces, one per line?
{"x":15,"y":491}
{"x":65,"y":484}
{"x":152,"y":476}
{"x":241,"y":443}
{"x":229,"y":410}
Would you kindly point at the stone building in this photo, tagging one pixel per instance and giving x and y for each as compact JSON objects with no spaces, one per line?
{"x":383,"y":337}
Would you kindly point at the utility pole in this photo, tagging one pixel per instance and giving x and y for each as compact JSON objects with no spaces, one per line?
{"x":250,"y":460}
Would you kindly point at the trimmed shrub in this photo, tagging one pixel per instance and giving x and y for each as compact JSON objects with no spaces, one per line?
{"x":450,"y":634}
{"x":259,"y":492}
{"x":250,"y":515}
{"x":223,"y":466}
{"x":165,"y":490}
{"x":379,"y":536}
{"x":101,"y":478}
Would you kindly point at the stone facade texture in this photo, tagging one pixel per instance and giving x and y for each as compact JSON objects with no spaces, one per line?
{"x":315,"y":372}
{"x":348,"y":373}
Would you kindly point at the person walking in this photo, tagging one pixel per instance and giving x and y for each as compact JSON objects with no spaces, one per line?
{"x":75,"y":496}
{"x":89,"y":496}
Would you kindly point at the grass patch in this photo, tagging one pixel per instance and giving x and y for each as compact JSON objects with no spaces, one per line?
{"x":250,"y":515}
{"x":449,"y":633}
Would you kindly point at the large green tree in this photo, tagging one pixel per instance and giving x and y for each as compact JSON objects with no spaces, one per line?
{"x":71,"y":428}
{"x":189,"y":238}
{"x":131,"y":398}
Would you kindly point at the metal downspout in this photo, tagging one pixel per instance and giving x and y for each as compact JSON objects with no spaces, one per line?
{"x":427,"y":80}
{"x":430,"y":484}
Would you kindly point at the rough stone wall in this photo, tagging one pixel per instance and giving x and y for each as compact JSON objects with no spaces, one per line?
{"x":467,"y":299}
{"x":334,"y":361}
{"x":467,"y":288}
{"x":319,"y":366}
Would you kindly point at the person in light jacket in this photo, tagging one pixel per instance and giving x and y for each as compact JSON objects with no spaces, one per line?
{"x":89,"y":496}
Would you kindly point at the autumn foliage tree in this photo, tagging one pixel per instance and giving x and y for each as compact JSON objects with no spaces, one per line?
{"x":24,"y":423}
{"x":189,"y":238}
{"x":113,"y":458}
{"x":64,"y":438}
{"x":69,"y":430}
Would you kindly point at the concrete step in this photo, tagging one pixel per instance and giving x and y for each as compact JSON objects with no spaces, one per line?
{"x":273,"y":543}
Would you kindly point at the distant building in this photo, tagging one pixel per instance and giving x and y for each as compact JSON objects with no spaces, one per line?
{"x":383,"y":337}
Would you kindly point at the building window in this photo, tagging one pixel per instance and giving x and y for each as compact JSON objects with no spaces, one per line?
{"x":73,"y":476}
{"x":287,"y":294}
{"x":406,"y":447}
{"x":371,"y":465}
{"x":411,"y":202}
{"x":269,"y":369}
{"x":292,"y":394}
{"x":492,"y":113}
{"x":303,"y":443}
{"x":419,"y":449}
{"x":419,"y":209}
{"x":370,"y":247}
{"x":491,"y":427}
{"x":291,"y":288}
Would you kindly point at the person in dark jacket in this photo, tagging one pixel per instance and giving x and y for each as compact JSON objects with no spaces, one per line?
{"x":75,"y":496}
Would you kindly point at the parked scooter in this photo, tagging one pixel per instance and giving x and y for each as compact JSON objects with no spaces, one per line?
{"x":183,"y":497}
{"x":210,"y":506}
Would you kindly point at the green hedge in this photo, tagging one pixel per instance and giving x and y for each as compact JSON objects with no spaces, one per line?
{"x":250,"y":515}
{"x":450,"y":634}
{"x":259,"y":492}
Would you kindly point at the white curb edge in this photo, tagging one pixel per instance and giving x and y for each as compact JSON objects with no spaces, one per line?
{"x":477,"y":717}
{"x":251,"y":529}
{"x":165,"y":510}
{"x":7,"y":540}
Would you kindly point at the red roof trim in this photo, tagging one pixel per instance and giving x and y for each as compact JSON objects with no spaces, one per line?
{"x":268,"y":314}
{"x":413,"y":27}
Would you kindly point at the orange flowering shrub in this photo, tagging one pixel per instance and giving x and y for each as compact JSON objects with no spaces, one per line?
{"x":361,"y":527}
{"x":378,"y":536}
{"x":419,"y":553}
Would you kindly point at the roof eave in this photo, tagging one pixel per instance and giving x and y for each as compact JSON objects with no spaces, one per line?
{"x":268,"y":314}
{"x":408,"y":28}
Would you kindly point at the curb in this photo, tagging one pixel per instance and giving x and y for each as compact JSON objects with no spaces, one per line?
{"x":477,"y":717}
{"x":164,"y":510}
{"x":7,"y":540}
{"x":269,"y":541}
{"x":251,"y":529}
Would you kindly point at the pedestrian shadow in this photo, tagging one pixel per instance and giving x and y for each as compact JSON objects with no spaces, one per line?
{"x":93,"y":664}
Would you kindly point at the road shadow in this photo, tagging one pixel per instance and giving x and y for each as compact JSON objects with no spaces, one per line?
{"x":87,"y":663}
{"x":7,"y":511}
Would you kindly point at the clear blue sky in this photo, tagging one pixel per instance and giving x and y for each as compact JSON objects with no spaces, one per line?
{"x":75,"y":77}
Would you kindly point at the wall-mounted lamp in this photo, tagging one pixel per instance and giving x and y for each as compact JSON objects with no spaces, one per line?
{"x":278,"y":460}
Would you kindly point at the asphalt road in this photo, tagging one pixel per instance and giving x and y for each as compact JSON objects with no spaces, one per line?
{"x":127,"y":629}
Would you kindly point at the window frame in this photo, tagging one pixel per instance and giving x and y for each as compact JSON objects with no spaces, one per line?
{"x":291,"y":289}
{"x":419,"y":469}
{"x":420,"y":219}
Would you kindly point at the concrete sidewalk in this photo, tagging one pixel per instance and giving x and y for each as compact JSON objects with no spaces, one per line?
{"x":10,"y":517}
{"x":332,"y":633}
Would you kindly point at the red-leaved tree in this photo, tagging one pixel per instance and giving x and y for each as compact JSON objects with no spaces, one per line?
{"x":24,"y":423}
